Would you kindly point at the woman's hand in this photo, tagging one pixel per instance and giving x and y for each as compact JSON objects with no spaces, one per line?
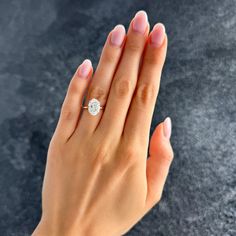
{"x":98,"y":180}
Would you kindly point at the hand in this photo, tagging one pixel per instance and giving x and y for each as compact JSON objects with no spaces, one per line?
{"x":98,"y":180}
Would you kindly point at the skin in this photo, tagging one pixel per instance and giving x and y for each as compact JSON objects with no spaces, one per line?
{"x":98,"y":180}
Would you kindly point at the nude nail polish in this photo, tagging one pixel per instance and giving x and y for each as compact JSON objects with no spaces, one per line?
{"x":167,"y":127}
{"x":118,"y":35}
{"x":85,"y":68}
{"x":157,"y":35}
{"x":140,"y":22}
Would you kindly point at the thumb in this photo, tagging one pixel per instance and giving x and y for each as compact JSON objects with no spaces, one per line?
{"x":158,"y":163}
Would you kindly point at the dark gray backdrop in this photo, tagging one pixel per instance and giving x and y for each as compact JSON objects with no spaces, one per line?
{"x":41,"y":44}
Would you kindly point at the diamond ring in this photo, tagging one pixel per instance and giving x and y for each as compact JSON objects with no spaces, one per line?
{"x":93,"y":107}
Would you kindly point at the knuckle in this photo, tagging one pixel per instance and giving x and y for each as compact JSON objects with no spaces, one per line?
{"x":168,"y":155}
{"x":152,"y":59}
{"x":97,"y":92}
{"x":134,"y":46}
{"x":130,"y":156}
{"x":171,"y":155}
{"x":122,"y":87}
{"x":100,"y":157}
{"x":109,"y":57}
{"x":66,"y":113}
{"x":74,"y":87}
{"x":145,"y":93}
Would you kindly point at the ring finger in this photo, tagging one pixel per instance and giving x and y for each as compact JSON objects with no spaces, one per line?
{"x":125,"y":79}
{"x":100,"y":84}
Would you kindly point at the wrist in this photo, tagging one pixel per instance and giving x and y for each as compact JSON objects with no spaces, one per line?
{"x":44,"y":229}
{"x":41,"y":230}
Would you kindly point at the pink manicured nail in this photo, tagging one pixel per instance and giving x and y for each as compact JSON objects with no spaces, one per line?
{"x":158,"y":35}
{"x":85,"y":68}
{"x":140,"y":22}
{"x":118,"y":35}
{"x":167,"y":127}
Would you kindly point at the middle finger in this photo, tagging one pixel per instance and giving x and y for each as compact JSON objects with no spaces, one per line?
{"x":125,"y":78}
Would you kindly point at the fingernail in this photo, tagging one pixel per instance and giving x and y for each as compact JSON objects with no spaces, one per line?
{"x":167,"y":127}
{"x":85,"y":68}
{"x":140,"y":22}
{"x":158,"y":35}
{"x":118,"y":35}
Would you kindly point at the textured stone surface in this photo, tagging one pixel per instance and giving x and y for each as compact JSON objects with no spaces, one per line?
{"x":42,"y":42}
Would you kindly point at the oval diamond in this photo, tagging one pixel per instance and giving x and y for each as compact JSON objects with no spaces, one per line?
{"x":94,"y":106}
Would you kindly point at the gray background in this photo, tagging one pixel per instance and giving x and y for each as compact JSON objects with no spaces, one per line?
{"x":41,"y":44}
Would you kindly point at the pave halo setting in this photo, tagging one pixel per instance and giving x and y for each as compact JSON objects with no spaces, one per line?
{"x":94,"y":107}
